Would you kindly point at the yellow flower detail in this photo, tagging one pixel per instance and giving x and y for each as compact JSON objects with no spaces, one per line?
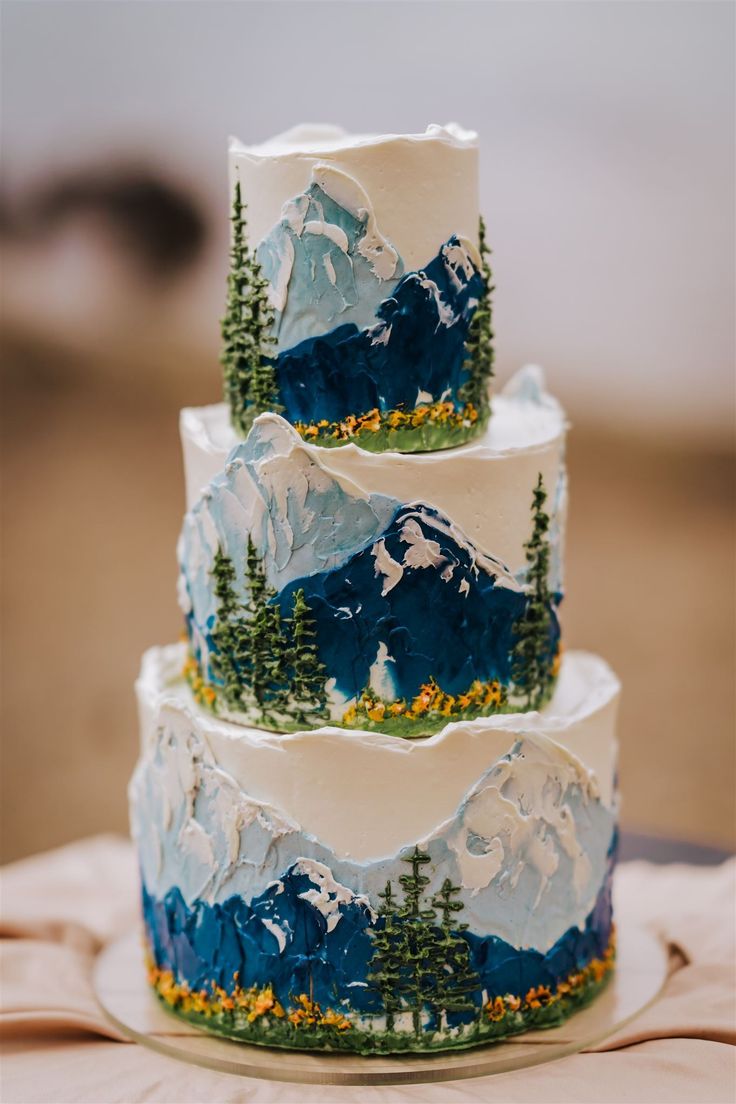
{"x":371,"y":421}
{"x":496,"y":1009}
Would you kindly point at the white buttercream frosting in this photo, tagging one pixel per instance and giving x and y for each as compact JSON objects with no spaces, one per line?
{"x":516,"y":809}
{"x":423,"y":187}
{"x":485,"y":486}
{"x":407,"y":787}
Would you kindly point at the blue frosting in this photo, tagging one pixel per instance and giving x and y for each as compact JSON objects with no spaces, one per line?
{"x":327,"y":539}
{"x":201,"y":943}
{"x":416,"y":345}
{"x":328,"y":285}
{"x":430,"y":624}
{"x":505,"y":906}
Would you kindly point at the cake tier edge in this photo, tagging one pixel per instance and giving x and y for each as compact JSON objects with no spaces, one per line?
{"x":355,"y":891}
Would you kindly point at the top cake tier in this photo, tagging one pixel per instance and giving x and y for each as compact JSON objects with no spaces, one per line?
{"x":359,"y":290}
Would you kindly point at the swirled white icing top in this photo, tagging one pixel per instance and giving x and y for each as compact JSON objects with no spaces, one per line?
{"x":420,"y":189}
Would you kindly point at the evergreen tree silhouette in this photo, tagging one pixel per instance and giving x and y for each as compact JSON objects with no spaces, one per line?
{"x":263,"y":646}
{"x":419,"y":939}
{"x":225,"y":631}
{"x":417,"y":963}
{"x":531,"y":653}
{"x":307,"y":696}
{"x":479,"y":352}
{"x":456,"y":978}
{"x":386,"y":965}
{"x":248,"y":350}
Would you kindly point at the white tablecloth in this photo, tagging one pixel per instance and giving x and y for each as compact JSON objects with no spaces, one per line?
{"x":60,"y":908}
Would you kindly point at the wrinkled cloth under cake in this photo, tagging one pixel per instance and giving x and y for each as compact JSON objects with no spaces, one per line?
{"x":61,"y":908}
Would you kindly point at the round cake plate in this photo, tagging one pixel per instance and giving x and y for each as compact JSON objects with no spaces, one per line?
{"x":125,"y":997}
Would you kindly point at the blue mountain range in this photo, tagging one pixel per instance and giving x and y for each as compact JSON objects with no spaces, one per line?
{"x":422,"y":597}
{"x":283,"y":938}
{"x":414,"y":349}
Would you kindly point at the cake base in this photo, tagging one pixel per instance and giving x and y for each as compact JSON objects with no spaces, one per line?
{"x":128,"y":1001}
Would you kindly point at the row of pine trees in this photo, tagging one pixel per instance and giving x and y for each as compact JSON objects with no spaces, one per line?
{"x":264,"y":661}
{"x":421,"y":960}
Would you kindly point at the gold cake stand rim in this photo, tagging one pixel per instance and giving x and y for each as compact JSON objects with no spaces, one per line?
{"x":129,"y":1004}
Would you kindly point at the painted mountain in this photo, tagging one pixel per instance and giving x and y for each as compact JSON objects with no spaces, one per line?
{"x":528,"y":842}
{"x":419,"y":603}
{"x":354,"y":333}
{"x":398,"y":598}
{"x":414,"y":352}
{"x":307,"y":934}
{"x":326,"y":260}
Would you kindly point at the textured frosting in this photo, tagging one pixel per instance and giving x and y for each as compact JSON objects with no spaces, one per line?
{"x":375,"y":804}
{"x":423,"y":187}
{"x":375,"y":271}
{"x":380,"y":545}
{"x":524,"y":436}
{"x":401,"y":800}
{"x":267,"y":856}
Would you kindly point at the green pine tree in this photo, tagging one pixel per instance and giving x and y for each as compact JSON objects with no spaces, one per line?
{"x":225,"y":633}
{"x":263,"y":647}
{"x":416,"y":963}
{"x":456,"y":978}
{"x":479,"y":352}
{"x":387,"y":962}
{"x":419,"y":939}
{"x":308,"y":674}
{"x":532,"y":657}
{"x":248,"y":349}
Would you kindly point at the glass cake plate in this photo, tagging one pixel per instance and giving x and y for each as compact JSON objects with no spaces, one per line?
{"x":125,"y":997}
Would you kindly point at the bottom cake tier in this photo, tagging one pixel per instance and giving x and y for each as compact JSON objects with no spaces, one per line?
{"x":346,"y":890}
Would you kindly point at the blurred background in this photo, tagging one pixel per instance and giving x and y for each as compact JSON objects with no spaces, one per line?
{"x":607,"y":177}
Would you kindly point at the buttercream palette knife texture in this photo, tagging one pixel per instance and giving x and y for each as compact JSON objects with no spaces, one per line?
{"x":375,"y":803}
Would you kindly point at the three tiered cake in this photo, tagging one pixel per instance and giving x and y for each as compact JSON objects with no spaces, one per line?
{"x":375,"y":803}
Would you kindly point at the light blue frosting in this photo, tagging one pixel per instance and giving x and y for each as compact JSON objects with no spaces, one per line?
{"x":328,"y":285}
{"x":304,"y":521}
{"x":511,"y":906}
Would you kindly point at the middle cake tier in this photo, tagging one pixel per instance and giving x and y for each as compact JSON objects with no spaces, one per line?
{"x":383,"y":591}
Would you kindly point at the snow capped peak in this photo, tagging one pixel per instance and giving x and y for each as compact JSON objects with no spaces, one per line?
{"x":328,"y":895}
{"x":421,"y":551}
{"x":428,"y":540}
{"x":521,"y":820}
{"x":352,"y":196}
{"x":301,"y":518}
{"x":270,"y":435}
{"x":462,"y":260}
{"x":425,"y":551}
{"x":326,"y":260}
